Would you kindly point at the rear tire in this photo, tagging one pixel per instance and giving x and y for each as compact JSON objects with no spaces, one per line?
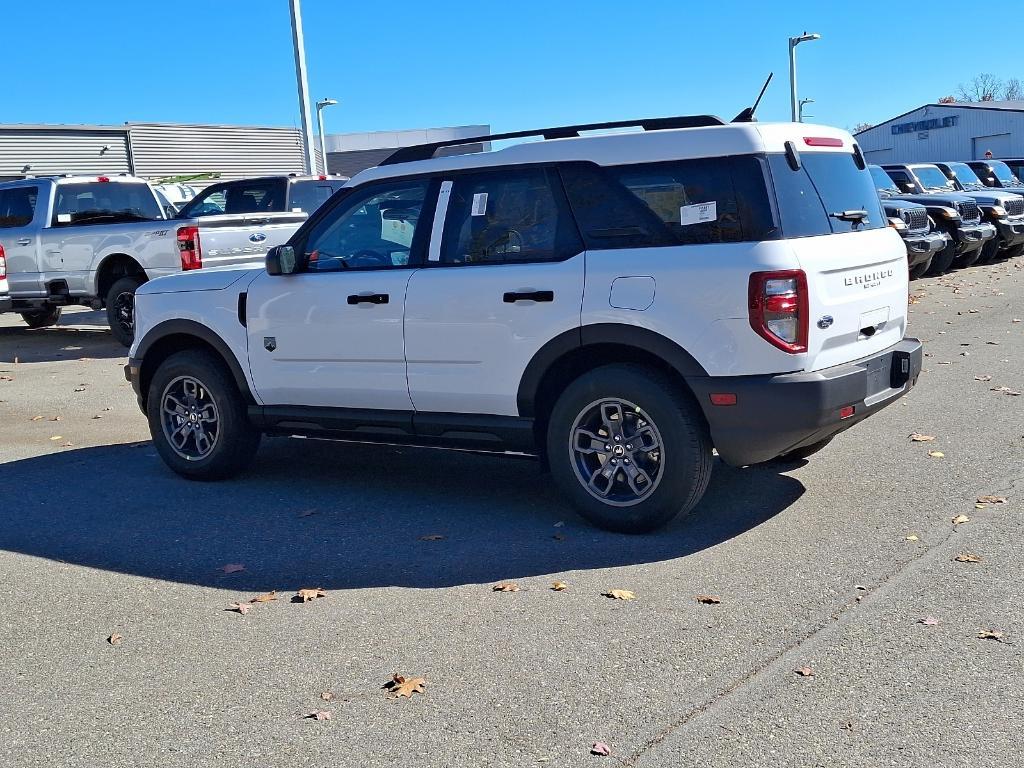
{"x":42,"y":318}
{"x":121,"y":309}
{"x":653,"y":431}
{"x":197,"y":417}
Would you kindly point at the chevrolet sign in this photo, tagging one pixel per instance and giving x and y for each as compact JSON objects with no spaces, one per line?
{"x":926,"y":125}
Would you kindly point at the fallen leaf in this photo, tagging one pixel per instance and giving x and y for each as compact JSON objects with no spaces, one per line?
{"x":67,"y":445}
{"x":242,"y":608}
{"x":327,"y":696}
{"x":306,"y":594}
{"x":320,"y":714}
{"x":405,"y":686}
{"x":991,"y":499}
{"x":559,"y":586}
{"x":936,"y":454}
{"x":928,"y":621}
{"x":232,"y":568}
{"x":57,"y":437}
{"x":986,"y":377}
{"x":991,"y":634}
{"x":1005,"y":390}
{"x":911,"y":537}
{"x":56,"y":418}
{"x":79,"y":389}
{"x":708,"y":599}
{"x":265,"y":598}
{"x":507,"y":586}
{"x":36,"y":418}
{"x":961,"y":519}
{"x":919,"y":438}
{"x":432,"y":537}
{"x":620,"y":594}
{"x":600,"y":748}
{"x":115,"y":639}
{"x":968,"y":557}
{"x":993,"y":343}
{"x":973,"y":311}
{"x":97,"y":416}
{"x":804,"y":671}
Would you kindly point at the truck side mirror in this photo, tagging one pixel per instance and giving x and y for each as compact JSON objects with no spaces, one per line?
{"x":281,"y":260}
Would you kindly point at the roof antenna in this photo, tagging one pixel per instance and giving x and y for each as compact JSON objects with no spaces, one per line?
{"x":747,"y":115}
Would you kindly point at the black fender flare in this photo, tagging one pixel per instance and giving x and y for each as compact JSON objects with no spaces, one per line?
{"x":180,"y":326}
{"x":644,"y":339}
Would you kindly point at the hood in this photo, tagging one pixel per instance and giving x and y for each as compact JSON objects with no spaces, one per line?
{"x":992,"y":196}
{"x":894,"y":204}
{"x":199,"y":280}
{"x":936,"y":198}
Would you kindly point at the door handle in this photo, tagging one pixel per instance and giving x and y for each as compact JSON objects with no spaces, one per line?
{"x":512,"y":296}
{"x":24,"y":241}
{"x":369,"y":298}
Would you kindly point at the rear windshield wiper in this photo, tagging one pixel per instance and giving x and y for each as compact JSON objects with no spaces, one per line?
{"x":859,"y":215}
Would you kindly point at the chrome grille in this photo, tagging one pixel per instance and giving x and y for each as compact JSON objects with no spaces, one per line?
{"x":1015,"y":207}
{"x":969,"y":211}
{"x":917,"y":218}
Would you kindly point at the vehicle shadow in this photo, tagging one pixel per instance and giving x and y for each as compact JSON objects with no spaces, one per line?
{"x":77,"y":334}
{"x":341,"y":516}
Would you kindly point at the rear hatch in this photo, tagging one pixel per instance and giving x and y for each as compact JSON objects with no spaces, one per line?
{"x":237,"y":239}
{"x":856,"y":265}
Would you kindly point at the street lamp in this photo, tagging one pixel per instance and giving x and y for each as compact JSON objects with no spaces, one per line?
{"x":793,"y":43}
{"x":320,"y":126}
{"x":301,"y":82}
{"x":800,"y":109}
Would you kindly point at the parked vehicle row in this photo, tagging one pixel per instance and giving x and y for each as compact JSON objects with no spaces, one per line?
{"x":618,"y":305}
{"x":94,"y":240}
{"x":979,"y":220}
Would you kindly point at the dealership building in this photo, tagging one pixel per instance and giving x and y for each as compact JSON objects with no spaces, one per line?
{"x":939,"y":132}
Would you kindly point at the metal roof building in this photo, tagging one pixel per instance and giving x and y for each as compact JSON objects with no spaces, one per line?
{"x":349,"y":153}
{"x":938,"y":132}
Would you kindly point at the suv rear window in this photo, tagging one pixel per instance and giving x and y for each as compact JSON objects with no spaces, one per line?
{"x":827,"y":183}
{"x":17,"y":206}
{"x":237,"y":197}
{"x":104,"y":202}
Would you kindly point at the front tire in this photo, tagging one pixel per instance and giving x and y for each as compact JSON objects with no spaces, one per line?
{"x":42,"y":318}
{"x":920,"y":269}
{"x":942,"y":260}
{"x":629,"y":448}
{"x":198,"y":419}
{"x":121,"y":309}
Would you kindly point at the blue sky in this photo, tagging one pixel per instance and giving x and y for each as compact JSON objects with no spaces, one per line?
{"x":515,"y":65}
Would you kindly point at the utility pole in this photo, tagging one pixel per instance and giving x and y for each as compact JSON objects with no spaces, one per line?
{"x":320,"y":127}
{"x":793,"y":43}
{"x":300,"y":77}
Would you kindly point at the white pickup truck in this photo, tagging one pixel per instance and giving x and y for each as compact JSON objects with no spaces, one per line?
{"x":94,"y":240}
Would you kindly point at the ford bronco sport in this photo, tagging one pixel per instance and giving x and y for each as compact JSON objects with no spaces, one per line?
{"x":618,"y":305}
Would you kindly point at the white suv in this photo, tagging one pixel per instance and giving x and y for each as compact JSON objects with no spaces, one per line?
{"x":618,"y":305}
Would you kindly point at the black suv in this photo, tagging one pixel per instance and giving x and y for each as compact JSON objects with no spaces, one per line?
{"x":912,"y":221}
{"x":1001,"y":208}
{"x":954,"y":213}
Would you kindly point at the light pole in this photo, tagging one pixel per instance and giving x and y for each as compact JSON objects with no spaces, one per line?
{"x":800,"y":109}
{"x":793,"y":43}
{"x":320,"y":127}
{"x":300,"y":76}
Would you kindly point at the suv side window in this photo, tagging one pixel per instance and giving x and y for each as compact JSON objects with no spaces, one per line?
{"x":508,"y":216}
{"x":237,"y":197}
{"x":373,"y":228}
{"x":17,"y":206}
{"x":307,"y":196}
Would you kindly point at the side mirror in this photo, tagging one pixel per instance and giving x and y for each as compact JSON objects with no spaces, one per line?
{"x":281,"y":260}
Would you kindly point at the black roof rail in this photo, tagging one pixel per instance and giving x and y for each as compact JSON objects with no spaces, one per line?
{"x":426,"y":151}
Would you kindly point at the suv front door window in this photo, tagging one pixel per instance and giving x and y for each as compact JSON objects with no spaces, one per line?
{"x":331,"y":335}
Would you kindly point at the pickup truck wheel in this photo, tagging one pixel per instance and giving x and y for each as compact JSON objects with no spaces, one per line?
{"x":44,"y":318}
{"x":121,"y":309}
{"x":628,"y":448}
{"x":198,"y":419}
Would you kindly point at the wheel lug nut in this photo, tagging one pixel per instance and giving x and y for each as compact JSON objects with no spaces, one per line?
{"x":618,"y":439}
{"x":607,"y":447}
{"x":626,"y":461}
{"x":629,"y":446}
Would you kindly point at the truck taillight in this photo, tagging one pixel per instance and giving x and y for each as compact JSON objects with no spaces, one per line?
{"x":3,"y":264}
{"x":778,"y":308}
{"x":189,"y":249}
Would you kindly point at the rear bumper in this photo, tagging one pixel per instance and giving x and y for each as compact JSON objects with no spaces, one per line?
{"x":920,"y":247}
{"x":776,"y":414}
{"x":5,"y":303}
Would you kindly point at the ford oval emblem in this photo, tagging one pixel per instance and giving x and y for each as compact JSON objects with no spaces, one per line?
{"x":257,"y":237}
{"x":825,"y":322}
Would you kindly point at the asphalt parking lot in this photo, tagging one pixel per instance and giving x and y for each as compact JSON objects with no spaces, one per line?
{"x":827,"y":565}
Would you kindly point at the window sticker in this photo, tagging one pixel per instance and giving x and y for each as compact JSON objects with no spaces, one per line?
{"x":480,"y":204}
{"x":397,"y":231}
{"x":699,"y":213}
{"x":63,"y":218}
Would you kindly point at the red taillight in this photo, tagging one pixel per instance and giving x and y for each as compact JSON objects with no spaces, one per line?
{"x":102,"y":178}
{"x":822,"y":141}
{"x":322,"y":177}
{"x":3,"y":264}
{"x":777,"y":303}
{"x":189,"y":249}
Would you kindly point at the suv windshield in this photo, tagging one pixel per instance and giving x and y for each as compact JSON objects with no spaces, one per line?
{"x":883,"y":183}
{"x":966,"y":176}
{"x":1003,"y":173}
{"x":104,"y":202}
{"x":931,"y":178}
